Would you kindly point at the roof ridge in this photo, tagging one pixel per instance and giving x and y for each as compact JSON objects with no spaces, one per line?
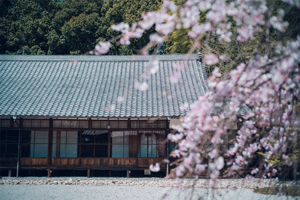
{"x":93,"y":58}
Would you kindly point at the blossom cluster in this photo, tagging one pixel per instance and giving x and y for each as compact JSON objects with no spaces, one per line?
{"x":267,"y":83}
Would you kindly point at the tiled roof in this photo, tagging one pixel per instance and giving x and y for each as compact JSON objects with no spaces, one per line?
{"x":54,"y":86}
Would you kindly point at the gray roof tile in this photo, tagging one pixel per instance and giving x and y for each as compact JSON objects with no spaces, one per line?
{"x":54,"y":86}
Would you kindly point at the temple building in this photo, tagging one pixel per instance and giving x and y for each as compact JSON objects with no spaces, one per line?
{"x":84,"y":113}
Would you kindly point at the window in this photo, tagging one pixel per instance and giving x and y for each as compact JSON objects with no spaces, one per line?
{"x":44,"y":123}
{"x":34,"y":144}
{"x":161,"y":124}
{"x":94,"y":144}
{"x":36,"y":123}
{"x":9,"y":143}
{"x":96,"y":124}
{"x":73,"y":144}
{"x":148,"y":146}
{"x":152,"y":144}
{"x":122,"y":124}
{"x":120,"y":144}
{"x":4,"y":123}
{"x":135,"y":124}
{"x":104,"y":124}
{"x":113,"y":124}
{"x":70,"y":124}
{"x":26,"y":123}
{"x":148,"y":124}
{"x":68,"y":144}
{"x":83,"y":124}
{"x":144,"y":124}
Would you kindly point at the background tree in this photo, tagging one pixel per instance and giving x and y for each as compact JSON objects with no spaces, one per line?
{"x":29,"y":23}
{"x":117,"y":11}
{"x":69,"y":26}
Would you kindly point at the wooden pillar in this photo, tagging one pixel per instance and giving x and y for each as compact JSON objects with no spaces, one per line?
{"x":128,"y":173}
{"x":137,"y":154}
{"x":168,"y":146}
{"x":90,"y":123}
{"x":128,"y":124}
{"x":108,"y":149}
{"x":50,"y":140}
{"x":9,"y":173}
{"x":57,"y":144}
{"x":88,"y":173}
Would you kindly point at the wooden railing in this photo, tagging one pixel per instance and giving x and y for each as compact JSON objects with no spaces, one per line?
{"x":66,"y":161}
{"x":82,"y":162}
{"x":122,"y":161}
{"x":34,"y":161}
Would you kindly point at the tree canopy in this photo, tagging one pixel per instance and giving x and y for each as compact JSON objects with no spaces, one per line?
{"x":69,"y":26}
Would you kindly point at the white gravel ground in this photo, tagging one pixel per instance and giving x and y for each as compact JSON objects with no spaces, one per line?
{"x":74,"y":192}
{"x":43,"y":188}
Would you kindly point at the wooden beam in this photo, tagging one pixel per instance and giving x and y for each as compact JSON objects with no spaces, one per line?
{"x":128,"y":173}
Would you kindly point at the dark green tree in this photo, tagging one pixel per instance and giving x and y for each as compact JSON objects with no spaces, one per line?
{"x":74,"y":27}
{"x":27,"y":23}
{"x":130,"y":11}
{"x":68,"y":26}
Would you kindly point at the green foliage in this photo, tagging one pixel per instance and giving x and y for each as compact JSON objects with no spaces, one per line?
{"x":284,"y":191}
{"x":74,"y":27}
{"x":130,"y":11}
{"x":68,"y":26}
{"x":180,"y":42}
{"x":26,"y":24}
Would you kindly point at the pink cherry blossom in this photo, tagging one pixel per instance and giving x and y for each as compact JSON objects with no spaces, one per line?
{"x":102,"y":47}
{"x":211,"y":59}
{"x":219,"y":163}
{"x":123,"y":27}
{"x":120,"y":99}
{"x":175,"y":77}
{"x":156,"y":38}
{"x":155,"y":168}
{"x":141,"y":86}
{"x":184,"y":106}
